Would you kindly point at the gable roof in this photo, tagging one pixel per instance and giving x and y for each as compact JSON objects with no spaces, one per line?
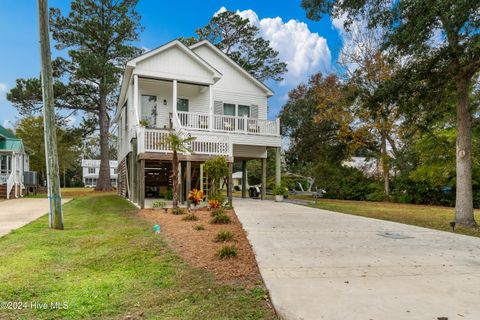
{"x":4,"y":132}
{"x":233,"y":63}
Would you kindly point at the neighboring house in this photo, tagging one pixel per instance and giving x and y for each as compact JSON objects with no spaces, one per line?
{"x":14,"y":161}
{"x":91,"y":170}
{"x":369,"y":166}
{"x":195,"y":91}
{"x":237,"y":180}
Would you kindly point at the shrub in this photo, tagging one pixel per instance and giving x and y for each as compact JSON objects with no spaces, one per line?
{"x":190,"y":217}
{"x":227,"y":251}
{"x":178,"y":211}
{"x":221,"y":218}
{"x":195,"y":196}
{"x":281,"y":190}
{"x":216,"y":169}
{"x":169,"y":194}
{"x":217,"y":212}
{"x":198,"y":227}
{"x":158,"y":204}
{"x":223,"y":236}
{"x":214,"y":204}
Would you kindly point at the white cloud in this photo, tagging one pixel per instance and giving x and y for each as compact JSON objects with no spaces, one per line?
{"x":3,"y":91}
{"x":304,"y":51}
{"x":7,"y":124}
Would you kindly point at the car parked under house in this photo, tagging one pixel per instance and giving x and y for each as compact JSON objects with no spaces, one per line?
{"x":195,"y":91}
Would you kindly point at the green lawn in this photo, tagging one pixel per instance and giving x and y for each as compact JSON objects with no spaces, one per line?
{"x":108,"y":264}
{"x":433,"y":217}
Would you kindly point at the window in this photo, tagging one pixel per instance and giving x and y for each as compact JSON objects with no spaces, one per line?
{"x":229,"y":109}
{"x":243,"y":110}
{"x":5,"y":164}
{"x":125,"y":106}
{"x":115,"y":170}
{"x":149,"y":110}
{"x":182,"y":104}
{"x":91,"y":170}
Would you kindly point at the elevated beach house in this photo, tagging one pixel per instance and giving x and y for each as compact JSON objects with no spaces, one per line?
{"x":14,"y":161}
{"x":195,"y":91}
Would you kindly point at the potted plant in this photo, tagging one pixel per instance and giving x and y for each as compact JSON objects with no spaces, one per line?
{"x":280,"y":192}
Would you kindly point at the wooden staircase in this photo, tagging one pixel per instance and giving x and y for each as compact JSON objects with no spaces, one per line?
{"x":3,"y":192}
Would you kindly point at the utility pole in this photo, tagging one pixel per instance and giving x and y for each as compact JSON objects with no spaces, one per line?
{"x":50,"y":132}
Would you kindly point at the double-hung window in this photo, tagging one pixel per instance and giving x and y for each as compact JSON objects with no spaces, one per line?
{"x":91,"y":170}
{"x":243,"y":111}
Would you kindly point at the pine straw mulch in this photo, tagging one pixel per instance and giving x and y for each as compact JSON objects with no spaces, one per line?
{"x":198,"y":249}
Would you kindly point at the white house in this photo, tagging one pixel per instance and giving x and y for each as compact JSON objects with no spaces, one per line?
{"x":14,"y":161}
{"x":195,"y":91}
{"x":91,"y":170}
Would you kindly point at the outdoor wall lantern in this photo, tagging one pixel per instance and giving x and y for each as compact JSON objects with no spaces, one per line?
{"x":164,"y":102}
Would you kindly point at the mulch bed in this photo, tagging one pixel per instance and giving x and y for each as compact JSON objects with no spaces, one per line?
{"x":198,"y":249}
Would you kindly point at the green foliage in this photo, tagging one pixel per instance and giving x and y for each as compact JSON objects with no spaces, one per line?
{"x":179,"y":211}
{"x":227,"y":251}
{"x":168,"y":194}
{"x":97,"y":264}
{"x":217,"y":212}
{"x":198,"y":227}
{"x":216,"y":169}
{"x":224,"y":236}
{"x":190,"y":217}
{"x":281,"y":190}
{"x":159,"y":204}
{"x":240,"y":40}
{"x":220,"y":218}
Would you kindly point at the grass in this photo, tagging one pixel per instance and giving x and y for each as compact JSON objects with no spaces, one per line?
{"x":198,"y":227}
{"x":433,"y":217}
{"x":227,"y":251}
{"x":223,"y":236}
{"x":108,"y":264}
{"x":190,"y":217}
{"x":221,"y":218}
{"x":66,"y":193}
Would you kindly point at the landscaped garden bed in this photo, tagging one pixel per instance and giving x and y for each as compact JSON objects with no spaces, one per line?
{"x":209,"y":245}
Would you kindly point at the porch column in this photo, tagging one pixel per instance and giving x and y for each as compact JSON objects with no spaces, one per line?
{"x":244,"y":179}
{"x":230,"y":183}
{"x":278,"y":166}
{"x":264,"y":178}
{"x":135,"y":98}
{"x":210,"y":116}
{"x":133,"y":172}
{"x":188,"y":182}
{"x":174,"y":103}
{"x":141,"y":184}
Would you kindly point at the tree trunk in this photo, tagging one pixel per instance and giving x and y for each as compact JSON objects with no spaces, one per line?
{"x":385,"y":166}
{"x":103,"y":183}
{"x":464,"y":198}
{"x":175,"y":178}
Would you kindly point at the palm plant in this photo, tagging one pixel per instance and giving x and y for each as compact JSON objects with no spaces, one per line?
{"x":178,"y":144}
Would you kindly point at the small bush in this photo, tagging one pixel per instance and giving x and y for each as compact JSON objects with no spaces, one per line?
{"x":169,"y":194}
{"x":214,"y":203}
{"x":223,"y":236}
{"x":217,"y":211}
{"x":198,"y":227}
{"x":158,"y":204}
{"x":220,"y":219}
{"x":178,"y":211}
{"x":227,"y":251}
{"x":190,"y":217}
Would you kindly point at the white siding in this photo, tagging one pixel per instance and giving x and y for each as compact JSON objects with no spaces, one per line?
{"x":234,"y":86}
{"x":248,"y":151}
{"x":174,"y":63}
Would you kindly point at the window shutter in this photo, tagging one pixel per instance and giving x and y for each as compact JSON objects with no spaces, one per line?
{"x":218,"y":107}
{"x":254,"y":111}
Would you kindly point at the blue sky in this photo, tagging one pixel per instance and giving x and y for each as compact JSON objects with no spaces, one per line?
{"x":306,"y":45}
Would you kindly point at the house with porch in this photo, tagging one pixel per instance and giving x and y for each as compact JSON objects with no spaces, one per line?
{"x":91,"y":171}
{"x":14,"y":161}
{"x":194,"y":91}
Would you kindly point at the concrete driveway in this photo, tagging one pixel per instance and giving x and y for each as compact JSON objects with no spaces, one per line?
{"x":16,"y":213}
{"x":319,"y":264}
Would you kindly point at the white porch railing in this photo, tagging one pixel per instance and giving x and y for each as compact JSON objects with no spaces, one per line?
{"x":246,"y":125}
{"x":10,"y":184}
{"x":156,"y":140}
{"x":4,"y":178}
{"x":222,"y":123}
{"x":193,"y":120}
